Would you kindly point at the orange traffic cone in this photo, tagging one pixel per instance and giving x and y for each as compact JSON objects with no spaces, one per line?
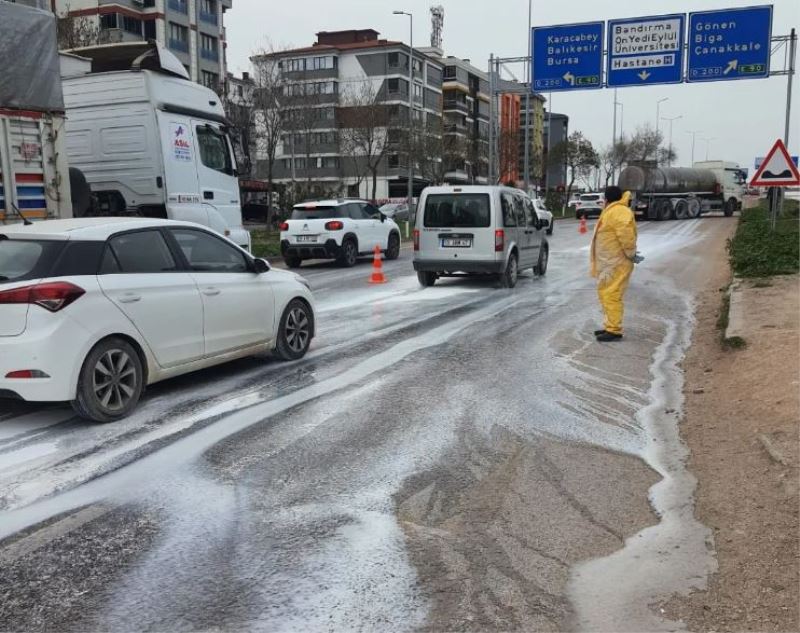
{"x":582,"y":228}
{"x":377,"y":268}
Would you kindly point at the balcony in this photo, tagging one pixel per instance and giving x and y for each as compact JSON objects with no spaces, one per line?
{"x":179,"y":45}
{"x":210,"y":18}
{"x":209,"y":55}
{"x":455,"y":105}
{"x":181,"y":6}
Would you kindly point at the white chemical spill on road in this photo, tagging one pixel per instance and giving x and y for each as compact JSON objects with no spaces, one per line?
{"x":30,"y":453}
{"x":675,"y":556}
{"x":131,"y":478}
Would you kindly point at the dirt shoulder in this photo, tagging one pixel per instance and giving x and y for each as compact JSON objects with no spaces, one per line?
{"x":742,"y":417}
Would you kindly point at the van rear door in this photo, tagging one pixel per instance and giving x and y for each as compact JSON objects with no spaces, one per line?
{"x":180,"y":155}
{"x":457,"y":226}
{"x":216,"y":169}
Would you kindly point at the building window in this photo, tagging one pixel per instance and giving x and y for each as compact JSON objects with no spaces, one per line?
{"x":328,"y":162}
{"x":150,"y":29}
{"x":417,"y":93}
{"x":178,"y":37}
{"x":397,"y":86}
{"x":295,"y":65}
{"x":209,"y":79}
{"x":132,"y":25}
{"x":299,"y":163}
{"x":209,"y":47}
{"x":208,"y":11}
{"x":323,"y":63}
{"x":108,"y":21}
{"x":449,"y":72}
{"x":397,"y":60}
{"x":181,"y":6}
{"x":393,"y":160}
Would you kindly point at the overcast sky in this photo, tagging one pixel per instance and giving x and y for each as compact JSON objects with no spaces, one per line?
{"x":742,"y":117}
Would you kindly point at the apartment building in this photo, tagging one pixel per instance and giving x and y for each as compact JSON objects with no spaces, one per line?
{"x":533,"y":119}
{"x":327,"y":86}
{"x":465,"y":111}
{"x":191,"y":29}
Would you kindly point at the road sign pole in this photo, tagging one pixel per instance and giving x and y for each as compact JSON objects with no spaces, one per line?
{"x":614,"y":141}
{"x":529,"y":73}
{"x":792,"y":53}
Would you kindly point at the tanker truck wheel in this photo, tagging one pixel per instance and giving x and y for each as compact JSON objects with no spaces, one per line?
{"x":681,"y":210}
{"x":730,"y":207}
{"x":693,"y":205}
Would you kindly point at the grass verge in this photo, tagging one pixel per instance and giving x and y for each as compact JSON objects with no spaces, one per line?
{"x":266,"y":243}
{"x":758,"y":251}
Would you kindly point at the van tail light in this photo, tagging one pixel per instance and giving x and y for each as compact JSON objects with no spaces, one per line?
{"x":416,"y":239}
{"x":284,"y":226}
{"x":499,"y":241}
{"x":335,"y":225}
{"x":52,"y":296}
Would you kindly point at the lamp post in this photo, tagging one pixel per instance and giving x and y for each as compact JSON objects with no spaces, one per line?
{"x":410,"y":192}
{"x":694,"y":134}
{"x":529,"y":72}
{"x":658,"y":106}
{"x":671,"y":120}
{"x":708,"y":140}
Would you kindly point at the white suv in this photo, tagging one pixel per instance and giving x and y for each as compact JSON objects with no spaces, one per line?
{"x":337,"y":229}
{"x":92,"y":310}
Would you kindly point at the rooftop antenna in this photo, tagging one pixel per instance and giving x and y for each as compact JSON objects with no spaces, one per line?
{"x":25,"y":221}
{"x":437,"y":23}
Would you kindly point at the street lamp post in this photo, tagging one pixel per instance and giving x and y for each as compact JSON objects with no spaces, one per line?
{"x":694,"y":134}
{"x":671,"y":120}
{"x":410,"y":191}
{"x":658,"y":106}
{"x":708,"y":140}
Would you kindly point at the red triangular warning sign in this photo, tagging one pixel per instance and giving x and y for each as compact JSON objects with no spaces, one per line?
{"x":777,"y":170}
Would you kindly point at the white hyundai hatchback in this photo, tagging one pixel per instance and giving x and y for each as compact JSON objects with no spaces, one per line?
{"x":93,"y":310}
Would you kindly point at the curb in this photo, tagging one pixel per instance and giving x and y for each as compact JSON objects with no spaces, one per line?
{"x":736,"y":325}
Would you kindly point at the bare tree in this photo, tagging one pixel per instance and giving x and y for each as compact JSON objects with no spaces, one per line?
{"x":363,"y":128}
{"x":240,"y":112}
{"x":76,"y":31}
{"x":578,"y":155}
{"x":268,"y":111}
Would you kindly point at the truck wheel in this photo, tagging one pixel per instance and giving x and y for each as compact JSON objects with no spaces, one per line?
{"x":681,"y":210}
{"x":665,"y":211}
{"x":81,"y":193}
{"x":426,"y":278}
{"x":693,"y":205}
{"x":730,"y":207}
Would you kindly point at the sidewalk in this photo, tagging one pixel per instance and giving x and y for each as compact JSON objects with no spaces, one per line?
{"x":741,"y":423}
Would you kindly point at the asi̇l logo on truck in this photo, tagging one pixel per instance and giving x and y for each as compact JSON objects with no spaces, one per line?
{"x":181,"y":146}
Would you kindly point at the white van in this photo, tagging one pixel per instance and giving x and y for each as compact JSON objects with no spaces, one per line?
{"x":149,"y":141}
{"x":478,"y":229}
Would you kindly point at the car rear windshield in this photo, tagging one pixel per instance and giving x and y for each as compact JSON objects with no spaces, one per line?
{"x":464,"y":211}
{"x":21,"y":260}
{"x":318,"y":213}
{"x":590,"y":197}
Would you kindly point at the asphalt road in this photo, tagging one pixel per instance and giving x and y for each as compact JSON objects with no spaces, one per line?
{"x":461,"y":457}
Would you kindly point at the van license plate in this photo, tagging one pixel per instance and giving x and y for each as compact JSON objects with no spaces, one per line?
{"x":306,"y":238}
{"x":456,"y":242}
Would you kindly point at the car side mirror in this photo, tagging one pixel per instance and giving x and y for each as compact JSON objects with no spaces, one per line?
{"x":383,"y":217}
{"x":261,"y":266}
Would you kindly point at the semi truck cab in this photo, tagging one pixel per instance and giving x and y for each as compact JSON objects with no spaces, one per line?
{"x":149,"y":141}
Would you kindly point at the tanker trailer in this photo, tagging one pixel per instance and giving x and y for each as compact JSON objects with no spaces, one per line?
{"x":666,"y":193}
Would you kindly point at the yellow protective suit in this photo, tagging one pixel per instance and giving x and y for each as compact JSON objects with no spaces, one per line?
{"x":613,"y":247}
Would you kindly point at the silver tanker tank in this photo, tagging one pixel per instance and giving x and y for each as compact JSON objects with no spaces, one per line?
{"x":667,"y":180}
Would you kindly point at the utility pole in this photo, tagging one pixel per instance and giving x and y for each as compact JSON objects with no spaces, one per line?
{"x":529,"y":73}
{"x":694,"y":134}
{"x":410,"y":191}
{"x":491,"y":119}
{"x":658,"y":105}
{"x":671,"y":120}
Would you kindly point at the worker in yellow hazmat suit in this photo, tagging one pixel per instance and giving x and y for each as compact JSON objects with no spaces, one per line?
{"x":613,"y":255}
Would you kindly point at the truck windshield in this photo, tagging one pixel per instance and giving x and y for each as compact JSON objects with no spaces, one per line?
{"x":457,"y":210}
{"x":21,"y":260}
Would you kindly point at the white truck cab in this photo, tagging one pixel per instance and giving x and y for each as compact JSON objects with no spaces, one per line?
{"x":731,"y":178}
{"x":149,"y":141}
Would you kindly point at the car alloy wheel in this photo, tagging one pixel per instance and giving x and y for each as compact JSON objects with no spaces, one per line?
{"x":297,"y":329}
{"x":115,"y":380}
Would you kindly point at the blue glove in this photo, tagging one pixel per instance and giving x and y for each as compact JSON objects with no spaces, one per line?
{"x":638,"y":258}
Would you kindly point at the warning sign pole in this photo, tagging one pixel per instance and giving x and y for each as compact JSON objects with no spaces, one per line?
{"x":792,"y":54}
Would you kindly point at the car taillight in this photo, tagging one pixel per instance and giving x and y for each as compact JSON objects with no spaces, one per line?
{"x":284,"y":226}
{"x":334,"y":226}
{"x":499,"y":240}
{"x":53,"y":296}
{"x":416,"y":239}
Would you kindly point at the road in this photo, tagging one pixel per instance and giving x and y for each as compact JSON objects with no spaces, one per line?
{"x":461,"y":457}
